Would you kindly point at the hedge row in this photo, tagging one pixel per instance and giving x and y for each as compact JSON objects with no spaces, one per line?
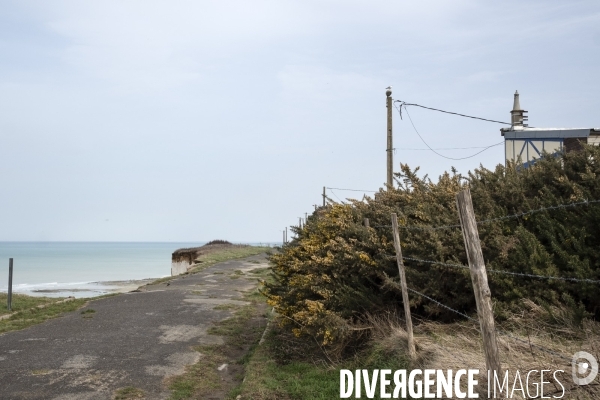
{"x":335,"y":271}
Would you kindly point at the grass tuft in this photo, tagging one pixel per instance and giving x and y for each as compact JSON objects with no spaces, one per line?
{"x":200,"y":378}
{"x":41,"y":372}
{"x":128,"y":393}
{"x":26,"y":318}
{"x":225,"y":307}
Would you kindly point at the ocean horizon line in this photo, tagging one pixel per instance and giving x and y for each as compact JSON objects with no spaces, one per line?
{"x":127,"y":241}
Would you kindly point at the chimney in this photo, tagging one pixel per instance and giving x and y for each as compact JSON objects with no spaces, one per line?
{"x":517,"y":114}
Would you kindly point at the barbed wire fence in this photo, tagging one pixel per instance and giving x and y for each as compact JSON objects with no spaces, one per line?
{"x":492,"y":361}
{"x":482,"y":294}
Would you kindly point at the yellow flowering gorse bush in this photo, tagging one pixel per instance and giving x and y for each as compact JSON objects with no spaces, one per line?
{"x":336,"y":269}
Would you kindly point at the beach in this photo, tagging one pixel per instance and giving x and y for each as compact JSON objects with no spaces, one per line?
{"x":84,"y":269}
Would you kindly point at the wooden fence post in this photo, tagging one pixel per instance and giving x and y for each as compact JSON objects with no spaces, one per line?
{"x":409,"y":329}
{"x":10,"y":276}
{"x":366,"y":222}
{"x":483,"y":296}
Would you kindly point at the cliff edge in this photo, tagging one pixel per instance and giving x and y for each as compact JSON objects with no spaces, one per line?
{"x":182,"y":260}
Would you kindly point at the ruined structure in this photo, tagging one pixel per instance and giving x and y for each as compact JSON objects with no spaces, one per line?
{"x":182,"y":260}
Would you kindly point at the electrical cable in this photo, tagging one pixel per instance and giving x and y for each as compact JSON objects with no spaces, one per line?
{"x":402,"y":103}
{"x":446,"y":148}
{"x":355,"y":190}
{"x":441,"y":155}
{"x":336,"y":196}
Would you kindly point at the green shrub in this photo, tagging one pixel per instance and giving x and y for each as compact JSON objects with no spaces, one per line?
{"x":336,"y":269}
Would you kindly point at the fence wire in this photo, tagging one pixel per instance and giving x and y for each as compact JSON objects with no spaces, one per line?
{"x":419,"y":228}
{"x":548,"y":351}
{"x":443,"y":305}
{"x":580,"y":203}
{"x":491,"y":220}
{"x":354,"y":190}
{"x":495,"y":271}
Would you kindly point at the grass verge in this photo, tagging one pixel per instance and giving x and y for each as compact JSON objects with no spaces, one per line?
{"x":22,"y":302}
{"x":35,"y":310}
{"x":285,"y":367}
{"x":32,"y":316}
{"x":200,"y":378}
{"x":221,"y":367}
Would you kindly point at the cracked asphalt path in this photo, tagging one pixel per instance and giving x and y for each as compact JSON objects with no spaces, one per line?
{"x":133,"y":339}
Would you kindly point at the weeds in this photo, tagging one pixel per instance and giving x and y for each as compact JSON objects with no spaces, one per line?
{"x":41,"y":372}
{"x":128,"y":393}
{"x":22,"y":302}
{"x":225,"y":307}
{"x":241,"y":333}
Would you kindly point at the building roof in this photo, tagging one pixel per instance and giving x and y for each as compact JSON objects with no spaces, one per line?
{"x":521,"y":132}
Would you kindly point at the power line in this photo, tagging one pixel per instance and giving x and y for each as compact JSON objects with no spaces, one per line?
{"x":336,"y":195}
{"x":447,"y":148}
{"x":355,"y":190}
{"x":441,"y":155}
{"x":402,"y":103}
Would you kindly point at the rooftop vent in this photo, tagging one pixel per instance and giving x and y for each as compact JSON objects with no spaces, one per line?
{"x":518,"y":116}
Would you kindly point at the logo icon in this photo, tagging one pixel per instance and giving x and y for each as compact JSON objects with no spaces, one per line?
{"x":584,"y":363}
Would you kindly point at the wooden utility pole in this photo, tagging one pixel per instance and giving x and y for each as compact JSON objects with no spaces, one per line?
{"x":390,"y":142}
{"x":300,"y":222}
{"x":324,"y":196}
{"x":409,"y":329}
{"x":366,"y":222}
{"x":286,"y":234}
{"x":283,"y":237}
{"x":483,"y":296}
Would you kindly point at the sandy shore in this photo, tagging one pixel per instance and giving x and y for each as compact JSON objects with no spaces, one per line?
{"x":94,"y":289}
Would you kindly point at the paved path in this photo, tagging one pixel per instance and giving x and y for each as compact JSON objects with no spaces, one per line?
{"x":134,"y":339}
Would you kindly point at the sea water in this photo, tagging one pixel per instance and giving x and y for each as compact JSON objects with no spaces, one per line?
{"x":82,"y":269}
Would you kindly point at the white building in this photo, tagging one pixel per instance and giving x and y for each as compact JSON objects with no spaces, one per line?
{"x":525,"y":144}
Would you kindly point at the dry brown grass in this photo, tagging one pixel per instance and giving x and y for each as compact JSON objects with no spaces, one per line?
{"x":458,"y":345}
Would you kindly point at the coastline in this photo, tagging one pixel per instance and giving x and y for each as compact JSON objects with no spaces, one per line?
{"x":82,"y":289}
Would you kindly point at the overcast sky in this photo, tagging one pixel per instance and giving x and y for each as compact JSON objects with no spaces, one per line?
{"x":198,"y":120}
